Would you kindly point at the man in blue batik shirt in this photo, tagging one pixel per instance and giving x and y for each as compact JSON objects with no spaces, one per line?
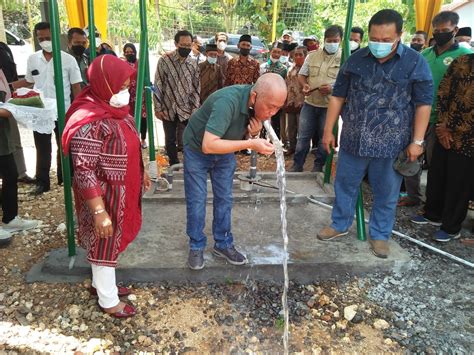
{"x":384,"y":94}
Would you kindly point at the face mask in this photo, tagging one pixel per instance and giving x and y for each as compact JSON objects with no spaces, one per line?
{"x":380,"y":49}
{"x":47,"y":46}
{"x":131,"y":58}
{"x":416,"y":46}
{"x":121,"y":99}
{"x":284,"y":59}
{"x":78,"y":50}
{"x":221,"y":46}
{"x":244,"y":52}
{"x":98,"y":42}
{"x":465,"y":45}
{"x":273,"y":60}
{"x":331,"y":48}
{"x":313,"y":47}
{"x":443,"y":38}
{"x":212,"y":60}
{"x":299,"y":61}
{"x":184,"y":52}
{"x":353,"y":45}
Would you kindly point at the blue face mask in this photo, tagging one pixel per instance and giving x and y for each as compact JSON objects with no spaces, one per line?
{"x":380,"y":49}
{"x":212,"y":60}
{"x":331,"y":48}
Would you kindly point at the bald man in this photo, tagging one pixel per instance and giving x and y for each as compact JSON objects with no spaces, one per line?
{"x":229,"y":120}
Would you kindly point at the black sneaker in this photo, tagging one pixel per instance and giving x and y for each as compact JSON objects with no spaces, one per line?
{"x":231,"y":255}
{"x":196,"y":259}
{"x":295,"y":169}
{"x":317,"y":169}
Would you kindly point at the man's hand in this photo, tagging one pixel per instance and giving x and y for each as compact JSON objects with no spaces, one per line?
{"x":329,"y":141}
{"x":325,"y":89}
{"x":254,"y":127}
{"x":414,"y":151}
{"x":262,"y":146}
{"x":103,"y":225}
{"x":444,"y":135}
{"x":161,"y":115}
{"x":306,"y":89}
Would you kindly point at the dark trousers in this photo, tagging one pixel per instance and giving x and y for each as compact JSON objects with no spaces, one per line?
{"x":43,"y":158}
{"x":450,"y":182}
{"x":171,"y":132}
{"x":9,"y":176}
{"x":143,"y":128}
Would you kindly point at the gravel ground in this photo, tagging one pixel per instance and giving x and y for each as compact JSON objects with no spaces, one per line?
{"x":425,"y":309}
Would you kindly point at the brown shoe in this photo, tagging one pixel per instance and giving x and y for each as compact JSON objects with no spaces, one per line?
{"x":328,"y":233}
{"x":379,"y":248}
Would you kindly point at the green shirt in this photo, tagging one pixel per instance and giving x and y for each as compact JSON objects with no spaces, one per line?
{"x":439,"y":65}
{"x":224,"y":114}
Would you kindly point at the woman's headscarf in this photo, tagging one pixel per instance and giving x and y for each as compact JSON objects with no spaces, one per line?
{"x":130,"y":45}
{"x":106,"y":75}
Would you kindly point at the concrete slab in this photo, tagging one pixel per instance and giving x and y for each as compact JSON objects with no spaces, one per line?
{"x":160,"y":251}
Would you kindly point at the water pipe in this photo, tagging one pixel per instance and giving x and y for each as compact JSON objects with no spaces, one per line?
{"x":169,"y":174}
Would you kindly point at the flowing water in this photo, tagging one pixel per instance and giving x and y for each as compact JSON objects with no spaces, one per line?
{"x":281,"y":181}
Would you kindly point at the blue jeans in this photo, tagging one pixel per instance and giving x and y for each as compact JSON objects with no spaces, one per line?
{"x":385,"y":183}
{"x":221,"y":168}
{"x":312,"y":119}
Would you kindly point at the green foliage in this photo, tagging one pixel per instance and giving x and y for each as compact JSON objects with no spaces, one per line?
{"x":280,"y":323}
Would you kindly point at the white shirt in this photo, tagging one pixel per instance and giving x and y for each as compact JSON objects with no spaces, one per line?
{"x":40,"y":72}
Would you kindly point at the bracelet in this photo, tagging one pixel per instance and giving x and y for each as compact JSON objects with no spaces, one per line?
{"x":102,"y":210}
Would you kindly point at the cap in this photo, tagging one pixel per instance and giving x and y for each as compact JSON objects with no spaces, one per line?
{"x":287,"y":33}
{"x":464,"y":31}
{"x":405,"y":167}
{"x":277,"y":44}
{"x":245,"y":38}
{"x":211,"y":47}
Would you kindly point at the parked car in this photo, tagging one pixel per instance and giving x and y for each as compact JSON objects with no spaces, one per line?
{"x":259,"y":49}
{"x":21,"y":50}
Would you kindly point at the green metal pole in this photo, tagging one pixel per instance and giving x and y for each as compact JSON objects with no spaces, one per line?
{"x":58,"y":82}
{"x":361,"y":235}
{"x":90,"y":13}
{"x":149,"y":112}
{"x":346,"y":52}
{"x":141,"y":64}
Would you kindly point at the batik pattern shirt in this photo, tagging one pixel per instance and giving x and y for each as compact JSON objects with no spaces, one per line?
{"x":455,"y":105}
{"x":380,"y":103}
{"x":211,"y":79}
{"x":242,"y":73}
{"x":295,"y":89}
{"x":178,"y":86}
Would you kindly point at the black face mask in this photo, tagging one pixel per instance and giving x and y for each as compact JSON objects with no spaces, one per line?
{"x":78,"y":50}
{"x":416,"y":46}
{"x":443,"y":38}
{"x":244,"y":52}
{"x":184,"y":52}
{"x":131,"y":58}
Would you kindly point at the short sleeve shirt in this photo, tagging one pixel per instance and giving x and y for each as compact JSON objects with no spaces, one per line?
{"x":40,"y":72}
{"x":380,"y":101}
{"x":224,"y":114}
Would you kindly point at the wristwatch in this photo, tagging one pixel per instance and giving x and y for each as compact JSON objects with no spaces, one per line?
{"x":421,"y":143}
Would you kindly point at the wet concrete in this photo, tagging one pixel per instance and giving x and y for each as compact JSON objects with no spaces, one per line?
{"x":160,"y":251}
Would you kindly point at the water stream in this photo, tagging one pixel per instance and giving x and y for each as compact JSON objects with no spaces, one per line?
{"x":281,"y":181}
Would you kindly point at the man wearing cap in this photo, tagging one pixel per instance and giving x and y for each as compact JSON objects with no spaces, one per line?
{"x":287,"y":37}
{"x":317,"y":75}
{"x":243,"y":69}
{"x":439,"y":57}
{"x":464,"y":37}
{"x":273,"y":64}
{"x":311,"y":43}
{"x":384,"y":94}
{"x":210,"y":73}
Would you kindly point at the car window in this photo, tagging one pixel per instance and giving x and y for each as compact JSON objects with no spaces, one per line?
{"x":257,"y":42}
{"x":233,"y":41}
{"x":10,"y":39}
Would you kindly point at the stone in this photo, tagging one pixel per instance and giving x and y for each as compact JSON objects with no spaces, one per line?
{"x":381,"y":324}
{"x":388,"y":341}
{"x":324,"y":300}
{"x":74,"y":311}
{"x":83,"y":327}
{"x":254,"y":340}
{"x":350,"y":312}
{"x":132,"y":297}
{"x":29,"y":317}
{"x":61,"y":228}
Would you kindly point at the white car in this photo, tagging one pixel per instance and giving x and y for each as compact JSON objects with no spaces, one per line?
{"x":21,"y":50}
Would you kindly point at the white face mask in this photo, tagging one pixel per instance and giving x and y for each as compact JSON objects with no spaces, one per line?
{"x":331,"y":48}
{"x":465,"y":45}
{"x":274,"y":60}
{"x":121,"y":99}
{"x":353,"y":45}
{"x":98,"y":42}
{"x":284,"y":59}
{"x":221,"y":46}
{"x":47,"y":46}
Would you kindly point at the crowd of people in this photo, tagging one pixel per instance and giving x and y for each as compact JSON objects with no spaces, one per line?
{"x":393,"y":98}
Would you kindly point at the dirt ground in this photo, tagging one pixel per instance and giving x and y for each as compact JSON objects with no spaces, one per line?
{"x":231,"y":318}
